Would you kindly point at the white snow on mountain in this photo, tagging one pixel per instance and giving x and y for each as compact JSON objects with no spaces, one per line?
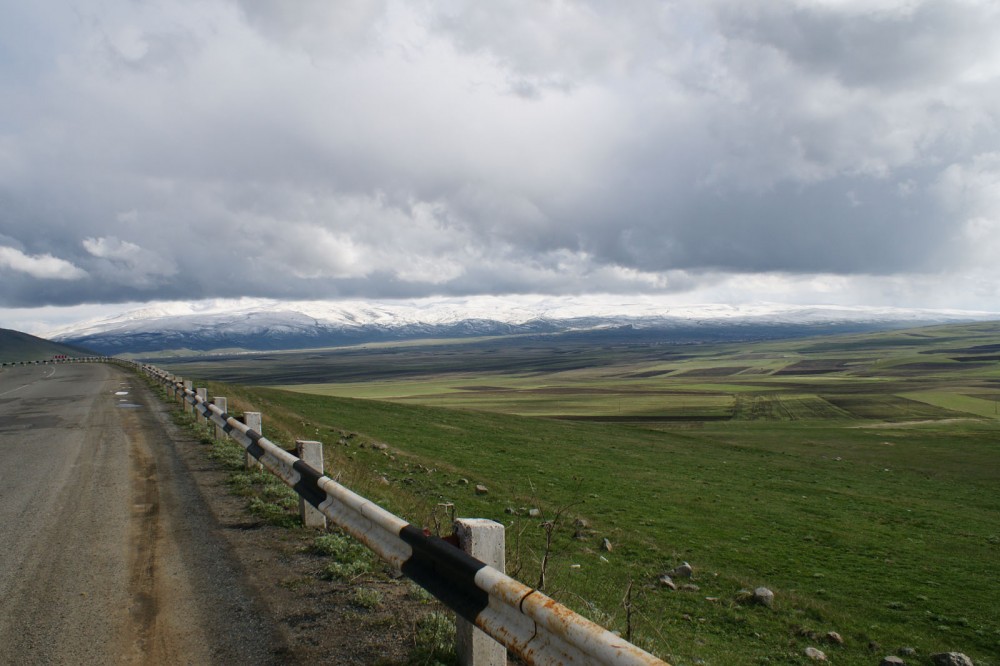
{"x":253,"y":315}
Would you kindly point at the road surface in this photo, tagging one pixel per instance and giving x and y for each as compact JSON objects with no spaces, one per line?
{"x":108,"y":553}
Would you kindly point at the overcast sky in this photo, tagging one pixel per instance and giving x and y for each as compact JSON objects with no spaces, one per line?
{"x":823,"y":151}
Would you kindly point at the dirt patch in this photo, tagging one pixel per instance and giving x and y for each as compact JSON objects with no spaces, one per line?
{"x":817,"y":367}
{"x":904,"y":424}
{"x":648,"y":373}
{"x":714,"y":372}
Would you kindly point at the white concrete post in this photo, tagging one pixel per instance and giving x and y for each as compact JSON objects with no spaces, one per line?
{"x":203,"y":394}
{"x":222,"y":404}
{"x":253,"y":421}
{"x":312,"y":454}
{"x":188,"y":386}
{"x":484,"y":540}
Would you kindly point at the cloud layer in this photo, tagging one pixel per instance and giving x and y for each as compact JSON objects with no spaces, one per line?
{"x":839,"y":150}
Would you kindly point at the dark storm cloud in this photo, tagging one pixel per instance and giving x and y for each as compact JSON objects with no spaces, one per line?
{"x":380,"y":149}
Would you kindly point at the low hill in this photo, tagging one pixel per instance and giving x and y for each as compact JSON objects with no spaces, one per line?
{"x":17,"y":346}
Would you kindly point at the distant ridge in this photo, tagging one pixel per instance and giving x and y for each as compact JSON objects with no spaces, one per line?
{"x":17,"y":346}
{"x":259,"y":325}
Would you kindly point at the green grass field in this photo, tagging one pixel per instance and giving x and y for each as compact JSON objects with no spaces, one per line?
{"x":856,"y":477}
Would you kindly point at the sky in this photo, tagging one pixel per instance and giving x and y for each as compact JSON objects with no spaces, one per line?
{"x":824,"y":152}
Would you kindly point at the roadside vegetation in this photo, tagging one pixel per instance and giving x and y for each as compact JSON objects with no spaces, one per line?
{"x":856,"y":478}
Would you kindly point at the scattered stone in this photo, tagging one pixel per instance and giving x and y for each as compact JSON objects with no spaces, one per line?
{"x":907,"y":651}
{"x":763,"y":596}
{"x":892,"y":661}
{"x":606,"y":545}
{"x":951,"y":659}
{"x":834,"y":637}
{"x":509,"y":511}
{"x":481,"y":489}
{"x":463,"y":482}
{"x":712,"y":599}
{"x":574,"y":566}
{"x":408,"y":480}
{"x":534,"y":513}
{"x":384,"y":481}
{"x":667,"y":581}
{"x":604,"y":559}
{"x":814,"y":654}
{"x":690,"y":587}
{"x":683,"y":571}
{"x":581,"y":523}
{"x":381,"y":446}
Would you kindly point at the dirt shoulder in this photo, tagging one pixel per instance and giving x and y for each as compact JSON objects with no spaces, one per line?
{"x":359,"y":615}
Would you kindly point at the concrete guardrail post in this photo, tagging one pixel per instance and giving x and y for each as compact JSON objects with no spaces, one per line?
{"x":311,"y":453}
{"x":253,"y":421}
{"x":484,"y":540}
{"x":188,"y":386}
{"x":223,"y":405}
{"x":203,"y":394}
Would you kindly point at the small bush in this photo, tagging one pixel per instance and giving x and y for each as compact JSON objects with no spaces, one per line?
{"x":435,"y":641}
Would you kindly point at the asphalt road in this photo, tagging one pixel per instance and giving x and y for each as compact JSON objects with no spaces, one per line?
{"x":108,"y":553}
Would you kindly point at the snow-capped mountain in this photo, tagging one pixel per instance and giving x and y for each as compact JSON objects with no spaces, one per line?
{"x":268,"y":324}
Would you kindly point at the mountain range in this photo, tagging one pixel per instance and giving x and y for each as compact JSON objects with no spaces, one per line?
{"x":256,"y":324}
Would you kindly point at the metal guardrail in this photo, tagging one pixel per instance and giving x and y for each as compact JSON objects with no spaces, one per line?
{"x":535,"y":627}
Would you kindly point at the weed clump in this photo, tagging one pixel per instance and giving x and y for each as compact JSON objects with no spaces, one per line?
{"x":350,"y":559}
{"x":434,"y":641}
{"x":271,"y":513}
{"x":367,"y":597}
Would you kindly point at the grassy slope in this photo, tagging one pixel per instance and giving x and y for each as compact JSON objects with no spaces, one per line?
{"x":16,"y":346}
{"x":856,"y":480}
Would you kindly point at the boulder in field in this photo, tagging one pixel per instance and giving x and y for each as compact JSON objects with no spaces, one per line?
{"x":763,"y":596}
{"x":683,"y":571}
{"x":815,"y":654}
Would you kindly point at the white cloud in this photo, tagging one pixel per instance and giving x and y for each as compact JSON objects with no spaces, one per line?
{"x":127,"y":262}
{"x":380,"y":148}
{"x":41,"y":266}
